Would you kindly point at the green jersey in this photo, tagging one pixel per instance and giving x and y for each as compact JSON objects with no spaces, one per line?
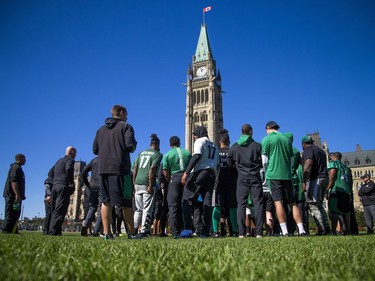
{"x":176,"y":160}
{"x":278,"y":149}
{"x":342,"y":177}
{"x":296,"y":158}
{"x":299,"y":180}
{"x":145,"y":160}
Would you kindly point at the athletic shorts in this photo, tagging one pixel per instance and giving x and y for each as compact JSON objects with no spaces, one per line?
{"x":116,"y":190}
{"x":339,"y":203}
{"x":315,"y":190}
{"x":268,"y":204}
{"x":282,"y":190}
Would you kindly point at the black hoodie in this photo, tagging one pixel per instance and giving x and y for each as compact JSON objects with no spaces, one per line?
{"x":113,"y":144}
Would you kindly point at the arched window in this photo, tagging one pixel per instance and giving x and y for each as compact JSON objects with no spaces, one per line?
{"x":196,"y":117}
{"x":202,"y":96}
{"x":346,"y":162}
{"x":368,"y":160}
{"x":356,"y":161}
{"x":198,"y":97}
{"x":206,"y":95}
{"x":194,"y":97}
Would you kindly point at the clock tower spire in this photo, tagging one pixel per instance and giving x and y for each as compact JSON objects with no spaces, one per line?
{"x":203,"y":93}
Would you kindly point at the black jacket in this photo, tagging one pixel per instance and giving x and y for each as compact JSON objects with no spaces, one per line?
{"x":367,"y":193}
{"x":15,"y":174}
{"x":246,"y":158}
{"x":62,"y":172}
{"x":93,"y":166}
{"x":113,"y":144}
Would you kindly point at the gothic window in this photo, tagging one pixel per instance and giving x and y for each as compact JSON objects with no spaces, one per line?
{"x":198,"y":97}
{"x":196,"y":117}
{"x":346,"y":162}
{"x":202,"y":97}
{"x":204,"y":116}
{"x":206,"y":95}
{"x":368,"y":160}
{"x":356,"y":161}
{"x":194,"y":97}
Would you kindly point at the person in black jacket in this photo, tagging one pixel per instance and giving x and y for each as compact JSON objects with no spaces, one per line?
{"x":367,"y":194}
{"x":47,"y":204}
{"x":94,"y":187}
{"x":113,"y":143}
{"x":62,"y":177}
{"x":14,"y":194}
{"x":245,"y":154}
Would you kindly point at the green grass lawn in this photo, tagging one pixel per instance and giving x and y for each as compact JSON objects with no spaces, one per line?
{"x":32,"y":256}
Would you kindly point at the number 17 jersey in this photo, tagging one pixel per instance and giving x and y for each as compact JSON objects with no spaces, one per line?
{"x":209,"y":154}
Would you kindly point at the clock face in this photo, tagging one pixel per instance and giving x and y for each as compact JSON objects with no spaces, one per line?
{"x":201,"y":71}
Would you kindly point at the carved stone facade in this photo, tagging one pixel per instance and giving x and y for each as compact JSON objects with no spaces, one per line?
{"x":203,"y":94}
{"x":75,"y":209}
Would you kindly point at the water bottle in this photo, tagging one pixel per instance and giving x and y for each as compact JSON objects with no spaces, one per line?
{"x":16,"y":206}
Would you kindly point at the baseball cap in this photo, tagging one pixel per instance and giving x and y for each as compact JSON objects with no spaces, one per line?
{"x":272,"y":125}
{"x":366,"y":176}
{"x":200,"y":131}
{"x":307,"y":139}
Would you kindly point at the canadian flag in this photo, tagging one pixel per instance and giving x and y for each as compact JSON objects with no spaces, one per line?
{"x":205,"y":10}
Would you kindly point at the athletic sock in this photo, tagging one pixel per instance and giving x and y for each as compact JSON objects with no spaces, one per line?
{"x":301,"y":229}
{"x":284,"y":228}
{"x":215,"y":219}
{"x":233,"y":219}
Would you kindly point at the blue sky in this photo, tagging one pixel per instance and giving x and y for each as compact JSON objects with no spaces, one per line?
{"x":309,"y":65}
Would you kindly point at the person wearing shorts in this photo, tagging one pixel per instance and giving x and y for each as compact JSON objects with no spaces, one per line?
{"x":277,"y":154}
{"x":113,"y":143}
{"x":338,"y":193}
{"x":315,"y":180}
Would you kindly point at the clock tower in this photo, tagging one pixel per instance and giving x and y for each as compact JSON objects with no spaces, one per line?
{"x":203,"y":93}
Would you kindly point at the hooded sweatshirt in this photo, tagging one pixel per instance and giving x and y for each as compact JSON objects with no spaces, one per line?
{"x":113,"y":144}
{"x":245,"y":154}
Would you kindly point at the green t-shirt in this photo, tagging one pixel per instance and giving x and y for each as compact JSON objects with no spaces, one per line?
{"x":299,"y":181}
{"x":278,"y":149}
{"x":342,"y":177}
{"x":295,"y":163}
{"x":176,"y":160}
{"x":144,"y":161}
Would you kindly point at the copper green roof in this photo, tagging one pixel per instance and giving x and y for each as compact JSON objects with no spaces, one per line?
{"x":203,"y":46}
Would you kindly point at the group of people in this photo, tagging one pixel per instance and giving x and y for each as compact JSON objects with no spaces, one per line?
{"x":262,"y":188}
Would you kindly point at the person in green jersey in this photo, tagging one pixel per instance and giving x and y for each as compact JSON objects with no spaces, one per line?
{"x":296,"y":157}
{"x":277,"y":153}
{"x":174,"y":165}
{"x":144,"y":177}
{"x":339,"y":194}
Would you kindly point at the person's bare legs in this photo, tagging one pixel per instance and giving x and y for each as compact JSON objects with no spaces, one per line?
{"x":106,"y":211}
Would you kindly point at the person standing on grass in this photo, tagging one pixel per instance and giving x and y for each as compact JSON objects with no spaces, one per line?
{"x":225,"y":191}
{"x":315,"y":180}
{"x":276,"y":156}
{"x":113,"y":143}
{"x":14,"y":194}
{"x":367,"y":194}
{"x":94,"y":186}
{"x":339,"y":194}
{"x":245,"y":155}
{"x":144,"y":178}
{"x":62,"y":176}
{"x":199,"y":179}
{"x":47,"y":204}
{"x":175,"y":162}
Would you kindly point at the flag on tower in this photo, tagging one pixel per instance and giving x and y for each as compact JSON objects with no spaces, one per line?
{"x":205,"y":10}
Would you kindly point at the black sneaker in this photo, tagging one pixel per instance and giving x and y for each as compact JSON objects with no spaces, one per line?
{"x":108,"y":237}
{"x":84,"y":231}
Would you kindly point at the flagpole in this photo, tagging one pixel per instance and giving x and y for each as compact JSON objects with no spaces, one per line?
{"x":203,"y":16}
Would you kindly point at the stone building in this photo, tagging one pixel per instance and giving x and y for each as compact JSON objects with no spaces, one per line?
{"x":360,"y":162}
{"x":203,"y":93}
{"x":75,"y":209}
